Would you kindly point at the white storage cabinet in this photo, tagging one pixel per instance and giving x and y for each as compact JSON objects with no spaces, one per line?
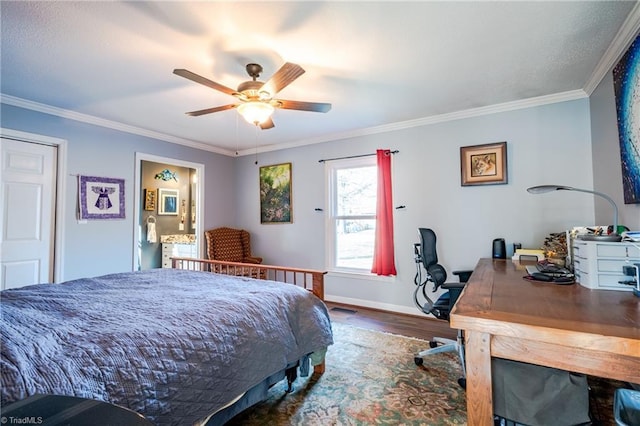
{"x":598,"y":265}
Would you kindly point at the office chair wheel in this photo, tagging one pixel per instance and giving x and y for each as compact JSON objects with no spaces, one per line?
{"x":433,"y":344}
{"x":463,"y":383}
{"x":419,"y":361}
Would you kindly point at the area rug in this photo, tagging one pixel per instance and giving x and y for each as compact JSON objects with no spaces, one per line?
{"x":370,"y":378}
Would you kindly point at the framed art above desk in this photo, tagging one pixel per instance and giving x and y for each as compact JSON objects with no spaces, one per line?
{"x":568,"y":327}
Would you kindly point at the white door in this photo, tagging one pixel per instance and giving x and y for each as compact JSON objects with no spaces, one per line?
{"x":27,"y":217}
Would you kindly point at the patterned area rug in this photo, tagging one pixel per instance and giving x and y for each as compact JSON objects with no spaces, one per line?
{"x":370,"y":378}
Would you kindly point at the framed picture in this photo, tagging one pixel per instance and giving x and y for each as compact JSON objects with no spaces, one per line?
{"x":101,"y":198}
{"x":275,"y":194}
{"x":168,"y":201}
{"x":483,"y":164}
{"x":150,"y":199}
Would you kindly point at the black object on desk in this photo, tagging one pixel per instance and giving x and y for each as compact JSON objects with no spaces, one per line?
{"x":54,"y":410}
{"x":499,"y":249}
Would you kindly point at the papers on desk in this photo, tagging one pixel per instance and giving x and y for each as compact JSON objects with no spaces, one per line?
{"x":524,"y":254}
{"x":631,"y":236}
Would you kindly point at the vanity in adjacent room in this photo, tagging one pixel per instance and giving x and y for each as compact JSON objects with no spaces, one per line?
{"x":178,"y":245}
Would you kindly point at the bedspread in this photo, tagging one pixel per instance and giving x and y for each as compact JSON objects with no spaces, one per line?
{"x":173,"y":345}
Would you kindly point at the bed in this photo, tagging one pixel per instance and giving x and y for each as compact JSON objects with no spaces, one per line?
{"x":179,"y":346}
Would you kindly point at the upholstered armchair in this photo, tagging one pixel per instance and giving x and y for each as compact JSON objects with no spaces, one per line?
{"x":230,"y":245}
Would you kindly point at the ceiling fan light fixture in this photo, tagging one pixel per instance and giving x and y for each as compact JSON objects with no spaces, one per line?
{"x":255,"y":112}
{"x":264,"y":95}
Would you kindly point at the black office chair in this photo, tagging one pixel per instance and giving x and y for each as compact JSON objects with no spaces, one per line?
{"x":427,"y":258}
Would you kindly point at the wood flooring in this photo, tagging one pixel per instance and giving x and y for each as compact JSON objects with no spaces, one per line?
{"x":424,"y":327}
{"x":419,"y":326}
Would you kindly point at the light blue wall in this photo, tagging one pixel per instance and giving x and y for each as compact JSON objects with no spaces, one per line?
{"x":607,"y":171}
{"x":101,"y":247}
{"x":547,"y":144}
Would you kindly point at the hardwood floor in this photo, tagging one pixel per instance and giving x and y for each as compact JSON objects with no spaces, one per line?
{"x":419,"y":326}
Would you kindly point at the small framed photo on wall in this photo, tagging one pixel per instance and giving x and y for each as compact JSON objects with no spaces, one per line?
{"x":150,"y":199}
{"x":483,"y":164}
{"x":168,"y":201}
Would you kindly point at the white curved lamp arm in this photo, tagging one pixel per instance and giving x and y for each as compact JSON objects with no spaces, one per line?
{"x":541,"y":189}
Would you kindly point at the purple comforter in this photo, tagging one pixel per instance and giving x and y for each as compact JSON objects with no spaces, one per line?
{"x":170,"y":344}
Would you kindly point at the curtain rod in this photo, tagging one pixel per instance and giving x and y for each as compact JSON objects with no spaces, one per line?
{"x":353,"y":156}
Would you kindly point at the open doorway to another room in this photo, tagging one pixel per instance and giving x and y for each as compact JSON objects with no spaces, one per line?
{"x":168,"y":211}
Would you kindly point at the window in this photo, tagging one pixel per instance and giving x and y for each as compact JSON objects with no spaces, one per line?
{"x":351,"y":226}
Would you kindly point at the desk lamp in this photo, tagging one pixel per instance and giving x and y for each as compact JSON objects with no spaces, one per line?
{"x":541,"y":189}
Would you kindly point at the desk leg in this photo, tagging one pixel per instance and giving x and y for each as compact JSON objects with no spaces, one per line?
{"x":479,"y":391}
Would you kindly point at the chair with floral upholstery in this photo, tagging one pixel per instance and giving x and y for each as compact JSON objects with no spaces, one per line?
{"x":230,"y":245}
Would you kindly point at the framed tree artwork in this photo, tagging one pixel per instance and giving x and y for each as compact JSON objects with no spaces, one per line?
{"x":275,"y":194}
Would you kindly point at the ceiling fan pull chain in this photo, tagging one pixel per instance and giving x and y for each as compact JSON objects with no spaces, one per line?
{"x":256,"y":133}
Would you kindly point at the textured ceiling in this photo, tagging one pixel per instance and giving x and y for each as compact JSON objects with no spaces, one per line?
{"x":381,"y":65}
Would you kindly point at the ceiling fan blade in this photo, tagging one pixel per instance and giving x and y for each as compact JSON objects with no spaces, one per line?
{"x":267,"y":124}
{"x":304,"y":106}
{"x":205,"y":81}
{"x":282,"y":78}
{"x":210,"y":110}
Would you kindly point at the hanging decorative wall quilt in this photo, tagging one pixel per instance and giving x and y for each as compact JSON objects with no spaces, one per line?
{"x":626,"y":83}
{"x":101,"y":198}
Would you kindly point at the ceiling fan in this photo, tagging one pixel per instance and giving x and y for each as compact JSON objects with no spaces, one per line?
{"x":257,"y":99}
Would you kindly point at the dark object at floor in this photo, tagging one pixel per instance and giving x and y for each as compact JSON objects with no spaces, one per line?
{"x":53,"y":410}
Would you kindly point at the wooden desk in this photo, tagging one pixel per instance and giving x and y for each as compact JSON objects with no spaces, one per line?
{"x":595,"y":332}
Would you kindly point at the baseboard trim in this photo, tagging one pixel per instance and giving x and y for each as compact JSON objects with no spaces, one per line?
{"x":388,"y":307}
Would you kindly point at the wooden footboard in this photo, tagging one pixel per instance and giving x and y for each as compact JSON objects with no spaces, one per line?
{"x":309,"y":279}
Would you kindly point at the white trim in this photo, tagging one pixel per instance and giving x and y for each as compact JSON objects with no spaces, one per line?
{"x":458,"y":115}
{"x":331,"y":218}
{"x":85,"y":118}
{"x":374,"y":305}
{"x":620,"y":43}
{"x":425,"y":121}
{"x":356,"y":274}
{"x":137,"y":190}
{"x":61,"y":181}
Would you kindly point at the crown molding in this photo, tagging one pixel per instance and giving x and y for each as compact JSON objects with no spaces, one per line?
{"x":425,"y":121}
{"x":623,"y":39}
{"x":90,"y":119}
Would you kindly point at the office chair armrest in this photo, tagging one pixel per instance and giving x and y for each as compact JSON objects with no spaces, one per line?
{"x":450,"y":286}
{"x":463,"y":275}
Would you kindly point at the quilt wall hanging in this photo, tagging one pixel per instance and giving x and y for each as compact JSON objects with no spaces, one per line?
{"x":100,"y":198}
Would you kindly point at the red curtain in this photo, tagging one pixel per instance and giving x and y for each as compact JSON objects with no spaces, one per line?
{"x":383,"y":256}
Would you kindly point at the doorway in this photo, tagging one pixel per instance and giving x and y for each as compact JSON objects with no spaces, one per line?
{"x":168,"y":208}
{"x":31,"y":243}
